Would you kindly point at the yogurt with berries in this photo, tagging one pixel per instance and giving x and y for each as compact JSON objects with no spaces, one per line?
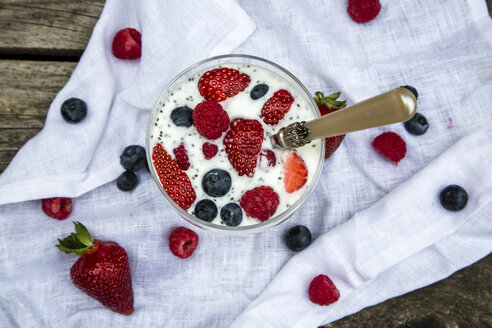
{"x":211,"y":148}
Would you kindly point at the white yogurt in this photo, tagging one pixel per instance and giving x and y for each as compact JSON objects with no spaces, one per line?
{"x":165,"y":132}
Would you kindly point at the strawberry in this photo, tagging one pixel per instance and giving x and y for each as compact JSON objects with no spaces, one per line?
{"x":322,"y":290}
{"x":58,"y":207}
{"x":260,"y":203}
{"x":210,"y":119}
{"x":102,"y":270}
{"x":181,"y":156}
{"x":173,"y":179}
{"x":327,"y":105}
{"x":276,"y":107}
{"x":267,"y":158}
{"x":183,"y":242}
{"x":222,"y":83}
{"x":127,"y":44}
{"x":242,"y":145}
{"x":295,"y":173}
{"x":363,"y":11}
{"x":391,"y":145}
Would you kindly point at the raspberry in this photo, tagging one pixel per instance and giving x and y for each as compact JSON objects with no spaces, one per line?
{"x":209,"y":150}
{"x":391,"y":146}
{"x":58,"y":207}
{"x":127,"y":44}
{"x":260,"y":203}
{"x":210,"y":119}
{"x":183,"y":242}
{"x":322,"y":291}
{"x":363,"y":11}
{"x":267,"y":158}
{"x":181,"y":156}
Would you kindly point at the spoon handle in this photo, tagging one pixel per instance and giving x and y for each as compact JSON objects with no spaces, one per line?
{"x":394,"y":106}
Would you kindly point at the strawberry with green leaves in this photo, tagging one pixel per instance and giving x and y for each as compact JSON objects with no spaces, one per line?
{"x":327,"y":105}
{"x":101,"y":271}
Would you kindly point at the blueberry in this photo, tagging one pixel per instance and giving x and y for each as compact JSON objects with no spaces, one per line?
{"x":133,"y":158}
{"x":127,"y":181}
{"x":258,"y":91}
{"x":298,"y":238}
{"x":74,"y":110}
{"x":182,"y":116}
{"x":414,"y":91}
{"x":417,"y":125}
{"x":216,"y":182}
{"x":231,"y":214}
{"x":206,"y":210}
{"x":453,"y":198}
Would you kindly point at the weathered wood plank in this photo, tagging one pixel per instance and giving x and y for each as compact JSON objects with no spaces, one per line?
{"x":28,"y":87}
{"x":26,"y":91}
{"x":46,"y":27}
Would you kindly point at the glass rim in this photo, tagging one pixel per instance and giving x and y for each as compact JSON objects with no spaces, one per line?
{"x":260,"y":226}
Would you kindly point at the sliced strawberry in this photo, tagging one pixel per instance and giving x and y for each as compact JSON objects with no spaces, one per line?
{"x":222,"y":83}
{"x":276,"y":107}
{"x":173,"y":179}
{"x":243,"y":144}
{"x":295,"y":173}
{"x":327,"y":105}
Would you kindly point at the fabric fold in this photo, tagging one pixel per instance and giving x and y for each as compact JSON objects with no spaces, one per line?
{"x":408,"y":228}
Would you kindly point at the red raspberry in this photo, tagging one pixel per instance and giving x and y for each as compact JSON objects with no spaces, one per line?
{"x":209,"y":150}
{"x":260,"y":203}
{"x":269,"y":156}
{"x":391,"y":146}
{"x":181,"y":156}
{"x":57,"y":208}
{"x":322,"y":291}
{"x":210,"y":119}
{"x":127,"y":44}
{"x":183,"y":242}
{"x":363,"y":11}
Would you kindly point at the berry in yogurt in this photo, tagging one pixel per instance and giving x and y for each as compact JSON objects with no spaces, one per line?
{"x":223,"y":117}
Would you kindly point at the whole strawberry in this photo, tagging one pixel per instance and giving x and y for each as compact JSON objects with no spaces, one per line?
{"x":102,"y":270}
{"x":222,"y":83}
{"x":174,"y":180}
{"x":243,"y":144}
{"x":327,"y":105}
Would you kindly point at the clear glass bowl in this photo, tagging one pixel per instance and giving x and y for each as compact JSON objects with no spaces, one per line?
{"x":201,"y":67}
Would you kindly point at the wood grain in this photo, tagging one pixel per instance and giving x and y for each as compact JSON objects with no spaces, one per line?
{"x":46,"y":27}
{"x":26,"y":91}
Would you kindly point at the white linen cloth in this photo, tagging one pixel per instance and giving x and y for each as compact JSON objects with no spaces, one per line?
{"x":441,"y":48}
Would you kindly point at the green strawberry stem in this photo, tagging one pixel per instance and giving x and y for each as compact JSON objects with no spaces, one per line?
{"x":330,"y":101}
{"x":79,"y":242}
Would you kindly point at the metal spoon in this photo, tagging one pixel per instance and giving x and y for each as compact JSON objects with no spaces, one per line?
{"x":394,"y":106}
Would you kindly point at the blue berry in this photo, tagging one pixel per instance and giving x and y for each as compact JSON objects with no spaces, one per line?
{"x":258,"y":91}
{"x":216,"y":182}
{"x":182,"y":116}
{"x":231,"y":214}
{"x":127,"y":181}
{"x":453,"y":198}
{"x":74,"y":110}
{"x":206,"y":210}
{"x":417,"y":125}
{"x":298,"y":238}
{"x":133,"y":158}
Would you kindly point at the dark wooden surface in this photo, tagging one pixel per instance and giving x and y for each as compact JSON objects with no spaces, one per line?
{"x":40,"y":44}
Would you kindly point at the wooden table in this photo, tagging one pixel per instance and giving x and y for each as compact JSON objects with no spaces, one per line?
{"x":40,"y":44}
